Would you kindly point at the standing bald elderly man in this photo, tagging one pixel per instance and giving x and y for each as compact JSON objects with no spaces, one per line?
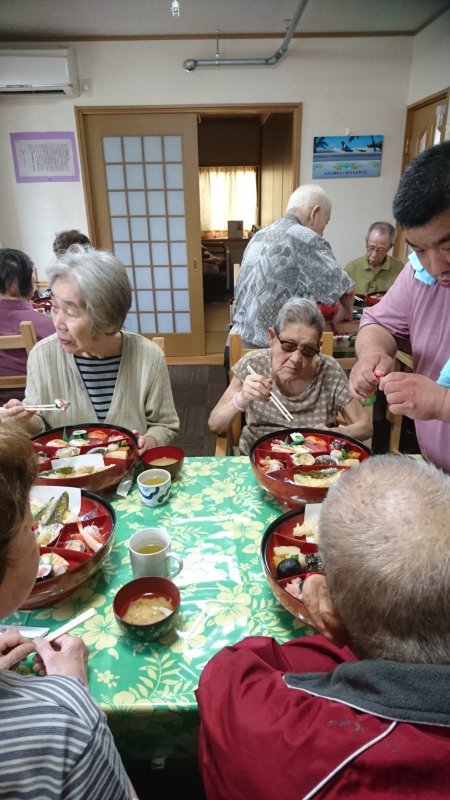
{"x":288,"y":259}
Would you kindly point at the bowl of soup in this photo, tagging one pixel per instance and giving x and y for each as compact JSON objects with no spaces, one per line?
{"x":168,"y":457}
{"x":298,"y":465}
{"x":147,"y":608}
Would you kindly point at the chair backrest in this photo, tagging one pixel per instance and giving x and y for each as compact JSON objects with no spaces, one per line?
{"x":159,"y":340}
{"x":236,"y":352}
{"x":26,"y":339}
{"x":403,"y":364}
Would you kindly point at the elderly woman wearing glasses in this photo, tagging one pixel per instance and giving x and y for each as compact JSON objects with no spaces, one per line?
{"x":311,"y":386}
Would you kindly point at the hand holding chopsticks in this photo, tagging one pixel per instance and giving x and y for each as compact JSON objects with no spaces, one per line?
{"x":73,"y":623}
{"x":57,"y":405}
{"x":274,"y":399}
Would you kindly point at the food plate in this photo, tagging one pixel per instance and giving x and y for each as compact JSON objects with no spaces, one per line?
{"x":60,"y":444}
{"x":304,"y":476}
{"x":280,"y":534}
{"x":92,"y":510}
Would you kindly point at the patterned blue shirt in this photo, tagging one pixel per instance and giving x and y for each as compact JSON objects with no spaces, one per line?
{"x":282,"y":261}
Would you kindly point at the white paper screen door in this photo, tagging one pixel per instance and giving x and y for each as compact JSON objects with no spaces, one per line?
{"x":143,"y":187}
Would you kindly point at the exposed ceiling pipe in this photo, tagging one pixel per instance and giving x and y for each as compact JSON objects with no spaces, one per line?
{"x":189,"y":64}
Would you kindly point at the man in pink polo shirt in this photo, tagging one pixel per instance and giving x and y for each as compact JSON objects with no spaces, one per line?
{"x":416,"y":308}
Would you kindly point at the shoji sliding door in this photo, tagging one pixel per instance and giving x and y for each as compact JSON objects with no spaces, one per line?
{"x":142,"y":195}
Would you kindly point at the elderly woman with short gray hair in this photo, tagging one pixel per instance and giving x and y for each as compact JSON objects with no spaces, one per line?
{"x":312,"y":386}
{"x":107,"y":374}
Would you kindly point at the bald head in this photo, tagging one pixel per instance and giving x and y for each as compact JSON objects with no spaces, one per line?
{"x":311,"y":205}
{"x":385,"y":542}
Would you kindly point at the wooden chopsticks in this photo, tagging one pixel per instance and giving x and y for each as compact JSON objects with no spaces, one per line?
{"x":274,"y":399}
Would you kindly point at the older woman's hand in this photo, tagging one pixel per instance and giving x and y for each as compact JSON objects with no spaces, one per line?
{"x":13,"y":648}
{"x":255,"y":387}
{"x":145,"y":442}
{"x":14,"y":410}
{"x":65,"y":656}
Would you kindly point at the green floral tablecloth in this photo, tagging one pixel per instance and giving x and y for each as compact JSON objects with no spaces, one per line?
{"x":216,"y":516}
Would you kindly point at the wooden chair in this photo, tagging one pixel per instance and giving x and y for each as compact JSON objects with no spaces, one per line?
{"x":26,"y":340}
{"x":159,"y":340}
{"x":403,"y":364}
{"x":225,"y":442}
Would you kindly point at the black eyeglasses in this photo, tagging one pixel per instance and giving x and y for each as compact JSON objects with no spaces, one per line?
{"x":307,"y":350}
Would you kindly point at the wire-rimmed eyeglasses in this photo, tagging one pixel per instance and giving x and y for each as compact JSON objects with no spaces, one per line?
{"x":380,"y":251}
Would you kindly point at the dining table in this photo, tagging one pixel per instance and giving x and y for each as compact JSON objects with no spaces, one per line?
{"x":216,"y":515}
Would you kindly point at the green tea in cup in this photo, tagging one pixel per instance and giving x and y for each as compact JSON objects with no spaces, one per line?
{"x":154,"y":487}
{"x":150,"y":554}
{"x":151,"y":547}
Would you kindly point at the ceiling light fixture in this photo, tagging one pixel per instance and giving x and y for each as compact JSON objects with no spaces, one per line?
{"x":175,"y":8}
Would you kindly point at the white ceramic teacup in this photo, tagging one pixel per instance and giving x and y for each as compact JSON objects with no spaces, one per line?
{"x":154,"y":486}
{"x":150,"y":554}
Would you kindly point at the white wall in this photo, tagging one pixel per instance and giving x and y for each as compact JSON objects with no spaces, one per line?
{"x":356,"y":84}
{"x":430,"y":71}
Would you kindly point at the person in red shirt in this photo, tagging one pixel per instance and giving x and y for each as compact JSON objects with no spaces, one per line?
{"x":363,"y":709}
{"x":16,"y":290}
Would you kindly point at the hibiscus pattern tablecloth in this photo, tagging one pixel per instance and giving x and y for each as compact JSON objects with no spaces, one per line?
{"x":216,"y":515}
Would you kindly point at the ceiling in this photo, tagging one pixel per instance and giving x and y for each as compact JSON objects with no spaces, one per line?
{"x":50,"y":20}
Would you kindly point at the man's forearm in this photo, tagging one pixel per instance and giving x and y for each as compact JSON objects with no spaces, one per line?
{"x":375,"y":339}
{"x":346,"y":302}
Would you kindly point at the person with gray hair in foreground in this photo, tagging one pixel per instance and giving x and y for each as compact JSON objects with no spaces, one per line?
{"x":288,"y":259}
{"x":107,"y":374}
{"x":313,"y":387}
{"x":363,"y":709}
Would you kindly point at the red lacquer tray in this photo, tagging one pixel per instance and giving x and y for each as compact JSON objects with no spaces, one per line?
{"x":94,"y":510}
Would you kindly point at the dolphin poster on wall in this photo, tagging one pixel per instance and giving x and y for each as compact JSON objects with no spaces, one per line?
{"x":347,"y":156}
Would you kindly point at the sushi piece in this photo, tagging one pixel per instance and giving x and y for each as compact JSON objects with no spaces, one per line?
{"x":67,"y":452}
{"x":56,"y":443}
{"x":62,"y":404}
{"x":51,"y":565}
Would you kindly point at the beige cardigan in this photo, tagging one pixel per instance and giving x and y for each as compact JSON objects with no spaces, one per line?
{"x":142,"y":398}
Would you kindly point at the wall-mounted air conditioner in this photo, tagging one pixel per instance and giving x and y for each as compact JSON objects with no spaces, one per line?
{"x":49,"y":72}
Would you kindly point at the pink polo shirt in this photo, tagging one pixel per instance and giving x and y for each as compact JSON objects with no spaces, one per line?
{"x":421,"y":313}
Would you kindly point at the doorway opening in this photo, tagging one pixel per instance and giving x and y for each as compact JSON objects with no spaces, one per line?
{"x":263,"y":142}
{"x":140,"y":169}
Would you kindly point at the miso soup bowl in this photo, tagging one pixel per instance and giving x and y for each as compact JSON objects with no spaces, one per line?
{"x":157,"y":587}
{"x":157,"y":455}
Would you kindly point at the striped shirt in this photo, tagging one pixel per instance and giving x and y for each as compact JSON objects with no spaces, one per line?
{"x":55,"y":742}
{"x":99,"y":377}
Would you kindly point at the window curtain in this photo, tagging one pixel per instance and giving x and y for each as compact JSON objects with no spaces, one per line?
{"x":227,"y":193}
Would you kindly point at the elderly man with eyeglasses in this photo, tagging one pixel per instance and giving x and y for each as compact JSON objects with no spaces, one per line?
{"x":377,"y":270}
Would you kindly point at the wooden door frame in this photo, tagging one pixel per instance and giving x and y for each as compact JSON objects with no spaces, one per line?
{"x":237,"y":110}
{"x":210,"y":110}
{"x":443,"y":96}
